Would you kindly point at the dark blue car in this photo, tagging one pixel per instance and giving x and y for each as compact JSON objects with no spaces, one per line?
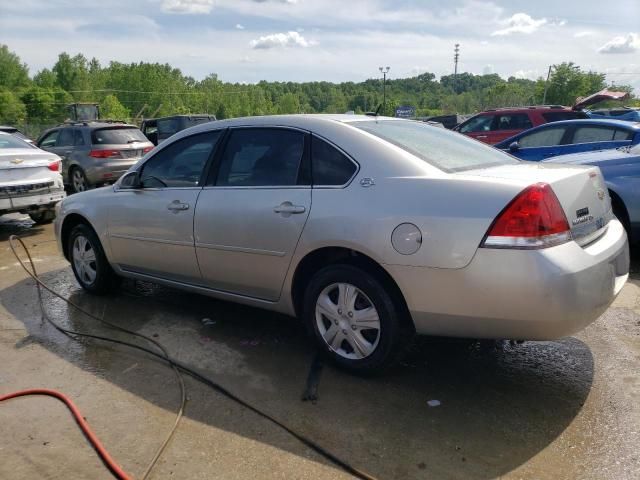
{"x":621,"y":170}
{"x":571,"y":136}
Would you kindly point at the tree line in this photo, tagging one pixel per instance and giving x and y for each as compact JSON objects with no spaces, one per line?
{"x":136,"y":90}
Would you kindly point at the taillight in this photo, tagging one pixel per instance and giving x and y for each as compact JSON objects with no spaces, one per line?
{"x":147,"y":149}
{"x":534,"y":219}
{"x":104,"y":153}
{"x":54,"y":166}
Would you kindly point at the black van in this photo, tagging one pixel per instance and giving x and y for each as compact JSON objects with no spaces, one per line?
{"x":159,"y":129}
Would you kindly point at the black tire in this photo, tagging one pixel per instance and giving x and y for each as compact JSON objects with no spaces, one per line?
{"x":78,"y":181}
{"x":391,"y":336}
{"x":105,"y":278}
{"x":44,"y":216}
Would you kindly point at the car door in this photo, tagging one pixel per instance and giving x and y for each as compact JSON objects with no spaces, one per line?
{"x":542,"y":143}
{"x":151,"y":227}
{"x":478,"y":127}
{"x":598,"y":137}
{"x":252,"y":211}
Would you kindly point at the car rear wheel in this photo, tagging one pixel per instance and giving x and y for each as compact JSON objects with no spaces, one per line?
{"x":43,"y":216}
{"x":79,"y":182}
{"x":353,"y":319}
{"x":89,"y":264}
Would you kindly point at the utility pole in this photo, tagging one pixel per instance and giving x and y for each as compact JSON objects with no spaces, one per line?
{"x":384,"y":88}
{"x":546,"y":86}
{"x":456,"y":56}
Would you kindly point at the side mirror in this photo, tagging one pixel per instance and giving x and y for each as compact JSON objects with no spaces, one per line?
{"x":130,"y":181}
{"x":514,"y":147}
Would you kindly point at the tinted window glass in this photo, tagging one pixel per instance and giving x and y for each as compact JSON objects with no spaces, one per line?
{"x":50,"y":139}
{"x":329,"y":165}
{"x":512,"y":121}
{"x":543,"y":138}
{"x":568,"y":115}
{"x":9,"y":141}
{"x":439,"y":147}
{"x":623,"y":135}
{"x":78,"y":138}
{"x":168,"y":127}
{"x":261,"y":157}
{"x":593,"y":134}
{"x":481,"y":123}
{"x":65,"y":138}
{"x":117,"y":136}
{"x":181,"y":163}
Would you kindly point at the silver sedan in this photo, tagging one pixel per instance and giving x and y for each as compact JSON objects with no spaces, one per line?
{"x":368,"y":229}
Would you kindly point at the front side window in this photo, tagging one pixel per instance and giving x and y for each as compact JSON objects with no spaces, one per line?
{"x":546,"y":137}
{"x":439,"y":147}
{"x":329,"y":166}
{"x":481,"y":123}
{"x":261,"y":157}
{"x":50,"y":139}
{"x":180,"y":164}
{"x":593,"y":134}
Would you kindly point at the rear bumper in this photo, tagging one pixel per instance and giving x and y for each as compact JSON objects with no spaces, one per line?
{"x":108,"y":171}
{"x":31,"y":202}
{"x":519,"y":294}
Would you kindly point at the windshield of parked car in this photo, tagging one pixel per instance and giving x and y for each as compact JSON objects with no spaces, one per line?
{"x":10,"y":141}
{"x":117,"y":136}
{"x":448,"y":151}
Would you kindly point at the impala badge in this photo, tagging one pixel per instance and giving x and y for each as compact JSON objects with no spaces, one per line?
{"x":16,"y":161}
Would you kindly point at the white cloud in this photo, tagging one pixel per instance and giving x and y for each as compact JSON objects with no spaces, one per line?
{"x":292,"y":2}
{"x":628,"y":44}
{"x":520,"y":23}
{"x":289,"y":39}
{"x":488,"y":70}
{"x":187,"y":6}
{"x":239,"y":26}
{"x":583,"y":34}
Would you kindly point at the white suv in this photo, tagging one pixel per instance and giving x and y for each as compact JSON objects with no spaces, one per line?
{"x":30,"y":180}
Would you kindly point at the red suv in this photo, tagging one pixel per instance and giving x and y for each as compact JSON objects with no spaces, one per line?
{"x":493,"y":126}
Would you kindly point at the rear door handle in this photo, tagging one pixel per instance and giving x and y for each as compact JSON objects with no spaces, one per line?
{"x":482,"y":136}
{"x":288,"y":207}
{"x":177,"y":206}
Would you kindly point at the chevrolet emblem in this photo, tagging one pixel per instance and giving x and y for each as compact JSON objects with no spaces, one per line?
{"x":601,"y":194}
{"x":16,"y":161}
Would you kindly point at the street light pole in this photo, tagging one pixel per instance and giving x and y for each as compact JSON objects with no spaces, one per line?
{"x":384,"y":88}
{"x":546,"y":86}
{"x":456,"y":56}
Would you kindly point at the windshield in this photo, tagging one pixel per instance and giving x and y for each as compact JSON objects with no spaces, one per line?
{"x":118,"y":136}
{"x":9,"y":141}
{"x":448,"y":151}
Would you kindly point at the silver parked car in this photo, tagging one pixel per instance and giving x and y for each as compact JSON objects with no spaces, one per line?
{"x":94,"y":153}
{"x":30,"y":180}
{"x":367,"y":228}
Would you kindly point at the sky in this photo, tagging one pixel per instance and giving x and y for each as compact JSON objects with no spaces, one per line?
{"x":333,"y":40}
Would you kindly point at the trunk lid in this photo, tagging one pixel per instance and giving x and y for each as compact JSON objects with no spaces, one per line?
{"x":581,"y":191}
{"x":25,"y":166}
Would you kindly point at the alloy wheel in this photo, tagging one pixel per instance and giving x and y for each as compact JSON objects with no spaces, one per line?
{"x":84,"y":260}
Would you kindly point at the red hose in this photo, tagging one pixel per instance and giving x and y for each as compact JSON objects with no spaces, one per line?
{"x":102,"y":452}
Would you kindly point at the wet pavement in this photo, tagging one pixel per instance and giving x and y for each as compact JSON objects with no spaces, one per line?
{"x":473,"y":410}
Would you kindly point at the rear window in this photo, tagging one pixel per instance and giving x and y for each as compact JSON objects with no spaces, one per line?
{"x":117,"y":136}
{"x":568,"y":115}
{"x":9,"y":141}
{"x":441,"y":148}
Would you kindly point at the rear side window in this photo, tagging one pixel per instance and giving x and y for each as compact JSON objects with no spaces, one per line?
{"x":481,"y":123}
{"x":546,"y":137}
{"x":181,"y":163}
{"x":78,"y":138}
{"x":261,"y":157}
{"x":593,"y":134}
{"x":568,"y":115}
{"x":512,"y":121}
{"x":439,"y":147}
{"x":117,"y":136}
{"x":65,"y":138}
{"x":329,"y":166}
{"x":623,"y":135}
{"x":168,"y":127}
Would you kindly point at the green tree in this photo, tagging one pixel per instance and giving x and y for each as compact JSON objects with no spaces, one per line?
{"x":289,"y":103}
{"x":568,"y":82}
{"x":12,"y":110}
{"x":39,"y":104}
{"x":111,"y":108}
{"x":13,"y":73}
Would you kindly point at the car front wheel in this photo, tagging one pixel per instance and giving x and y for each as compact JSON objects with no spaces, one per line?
{"x":353,"y":318}
{"x":89,"y":264}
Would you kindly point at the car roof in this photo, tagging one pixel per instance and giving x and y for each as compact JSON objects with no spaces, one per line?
{"x":4,"y":128}
{"x":94,"y":124}
{"x":593,"y":121}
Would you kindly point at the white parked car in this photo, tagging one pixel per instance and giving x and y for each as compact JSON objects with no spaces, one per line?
{"x":30,"y":180}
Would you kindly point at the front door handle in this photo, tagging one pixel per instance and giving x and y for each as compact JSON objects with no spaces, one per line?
{"x":177,"y":206}
{"x":482,"y":136}
{"x":289,"y":208}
